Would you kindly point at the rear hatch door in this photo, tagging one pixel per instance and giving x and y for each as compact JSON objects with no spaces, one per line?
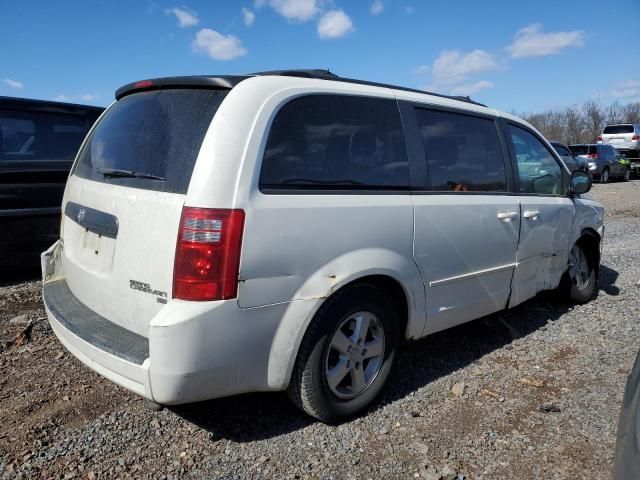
{"x":124,"y":201}
{"x":618,"y":135}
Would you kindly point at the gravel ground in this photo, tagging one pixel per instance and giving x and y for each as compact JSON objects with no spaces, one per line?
{"x":531,"y":393}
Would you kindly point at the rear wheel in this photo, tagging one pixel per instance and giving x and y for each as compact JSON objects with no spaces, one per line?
{"x":346,"y":355}
{"x":604,"y":176}
{"x":627,"y":174}
{"x":578,"y":284}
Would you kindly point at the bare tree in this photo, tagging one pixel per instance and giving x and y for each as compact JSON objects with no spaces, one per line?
{"x":594,"y":120}
{"x":615,"y":113}
{"x":581,"y":124}
{"x":632,"y":112}
{"x":574,"y":125}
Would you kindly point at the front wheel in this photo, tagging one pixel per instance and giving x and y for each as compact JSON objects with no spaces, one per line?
{"x":346,"y":354}
{"x":604,"y":176}
{"x":578,"y":283}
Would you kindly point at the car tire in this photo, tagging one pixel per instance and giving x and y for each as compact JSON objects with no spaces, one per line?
{"x":334,"y":377}
{"x":578,"y":284}
{"x":627,"y":175}
{"x":604,"y":176}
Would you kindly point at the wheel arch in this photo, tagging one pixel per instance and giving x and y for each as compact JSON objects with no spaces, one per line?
{"x":406,"y":291}
{"x":590,"y":240}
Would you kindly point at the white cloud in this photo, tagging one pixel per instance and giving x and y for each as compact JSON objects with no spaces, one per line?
{"x":376,"y":8}
{"x":84,"y":97}
{"x":422,"y":69}
{"x":15,"y":84}
{"x":218,"y":46}
{"x":471,"y":88}
{"x":294,"y":10}
{"x":627,"y":89}
{"x":248,"y":17}
{"x":334,"y":24}
{"x":185,"y":17}
{"x":453,"y":66}
{"x":531,"y":41}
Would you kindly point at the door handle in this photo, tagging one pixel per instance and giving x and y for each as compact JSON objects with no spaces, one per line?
{"x":507,"y":216}
{"x":532,"y":214}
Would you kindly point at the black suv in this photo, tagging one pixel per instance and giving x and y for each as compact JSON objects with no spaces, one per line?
{"x":38,"y":142}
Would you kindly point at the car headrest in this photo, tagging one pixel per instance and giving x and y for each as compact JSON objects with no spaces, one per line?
{"x":363,"y":143}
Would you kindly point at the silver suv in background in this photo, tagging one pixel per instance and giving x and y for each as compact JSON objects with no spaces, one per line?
{"x":623,"y":137}
{"x":604,"y":161}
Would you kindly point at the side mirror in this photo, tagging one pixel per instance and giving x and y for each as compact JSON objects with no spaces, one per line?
{"x":580,"y":182}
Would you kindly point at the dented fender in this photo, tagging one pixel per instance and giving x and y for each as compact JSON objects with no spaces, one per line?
{"x":325,"y":281}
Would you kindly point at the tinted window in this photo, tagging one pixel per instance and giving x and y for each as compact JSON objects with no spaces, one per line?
{"x":618,"y":129}
{"x":336,"y":142}
{"x":583,"y":149}
{"x":538,"y":170}
{"x":562,"y":151}
{"x":157,"y":133}
{"x":463,"y":152}
{"x":40,"y":135}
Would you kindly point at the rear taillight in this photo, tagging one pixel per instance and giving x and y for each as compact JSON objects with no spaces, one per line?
{"x":599,"y":138}
{"x":635,"y":137}
{"x":592,"y":155}
{"x":208,"y":254}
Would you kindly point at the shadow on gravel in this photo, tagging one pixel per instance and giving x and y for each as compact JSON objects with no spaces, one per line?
{"x":261,"y":416}
{"x":607,"y":280}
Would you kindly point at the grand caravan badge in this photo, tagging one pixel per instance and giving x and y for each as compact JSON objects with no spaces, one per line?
{"x":161,"y":297}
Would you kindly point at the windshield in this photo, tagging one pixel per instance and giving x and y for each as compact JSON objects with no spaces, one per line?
{"x":150,"y":140}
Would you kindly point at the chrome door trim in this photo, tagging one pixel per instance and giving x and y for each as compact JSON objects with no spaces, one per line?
{"x":477,"y":273}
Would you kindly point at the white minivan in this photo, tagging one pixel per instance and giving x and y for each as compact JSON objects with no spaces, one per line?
{"x":289,"y":230}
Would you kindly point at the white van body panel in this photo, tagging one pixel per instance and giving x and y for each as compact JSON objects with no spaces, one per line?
{"x":296,"y":251}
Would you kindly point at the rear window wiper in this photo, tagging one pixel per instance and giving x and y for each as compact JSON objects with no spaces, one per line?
{"x":117,"y":172}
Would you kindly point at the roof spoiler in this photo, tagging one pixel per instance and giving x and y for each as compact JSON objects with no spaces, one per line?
{"x":222,"y":82}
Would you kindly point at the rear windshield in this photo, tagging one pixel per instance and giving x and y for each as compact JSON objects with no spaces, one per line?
{"x":150,"y":140}
{"x":615,"y":129}
{"x":583,"y":149}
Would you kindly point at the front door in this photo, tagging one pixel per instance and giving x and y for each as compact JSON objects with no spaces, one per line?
{"x":546,"y":216}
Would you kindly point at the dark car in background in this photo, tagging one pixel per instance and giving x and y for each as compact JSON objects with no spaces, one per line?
{"x":572,"y":162}
{"x":38,"y":143}
{"x":604,"y":161}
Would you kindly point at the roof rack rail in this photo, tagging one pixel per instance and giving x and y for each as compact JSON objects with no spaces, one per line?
{"x":326,"y":74}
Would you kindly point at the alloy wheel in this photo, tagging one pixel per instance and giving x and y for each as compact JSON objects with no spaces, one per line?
{"x":578,"y":267}
{"x":355,"y":355}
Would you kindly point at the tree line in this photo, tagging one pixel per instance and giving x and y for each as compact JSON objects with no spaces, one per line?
{"x":581,"y":123}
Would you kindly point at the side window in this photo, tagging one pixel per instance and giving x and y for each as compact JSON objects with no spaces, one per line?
{"x":336,"y":142}
{"x":40,"y":136}
{"x":462,"y":151}
{"x":538,"y":170}
{"x":562,"y":151}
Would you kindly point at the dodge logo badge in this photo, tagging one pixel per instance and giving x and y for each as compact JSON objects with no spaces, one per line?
{"x":81,"y":214}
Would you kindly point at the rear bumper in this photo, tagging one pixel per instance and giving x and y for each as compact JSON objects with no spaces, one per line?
{"x":195,"y":350}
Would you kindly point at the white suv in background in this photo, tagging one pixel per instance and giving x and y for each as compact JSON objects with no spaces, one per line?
{"x":623,"y":137}
{"x":289,"y":230}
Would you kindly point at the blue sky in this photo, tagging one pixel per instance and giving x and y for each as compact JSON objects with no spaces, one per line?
{"x":512,"y":55}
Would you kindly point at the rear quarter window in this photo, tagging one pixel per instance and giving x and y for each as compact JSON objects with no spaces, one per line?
{"x":154,"y":134}
{"x":336,"y":142}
